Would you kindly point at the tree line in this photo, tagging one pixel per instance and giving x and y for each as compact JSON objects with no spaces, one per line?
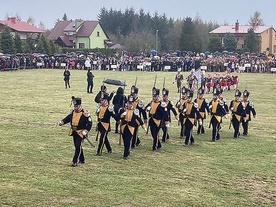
{"x":141,"y":32}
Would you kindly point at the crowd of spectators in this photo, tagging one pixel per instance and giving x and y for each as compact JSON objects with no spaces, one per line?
{"x":171,"y":61}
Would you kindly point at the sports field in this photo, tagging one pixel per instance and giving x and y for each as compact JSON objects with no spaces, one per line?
{"x":36,"y":156}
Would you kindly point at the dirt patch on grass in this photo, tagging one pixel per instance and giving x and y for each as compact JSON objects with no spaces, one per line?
{"x":262,"y":189}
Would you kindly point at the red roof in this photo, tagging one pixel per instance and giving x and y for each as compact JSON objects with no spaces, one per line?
{"x":20,"y":26}
{"x":87,"y":28}
{"x":58,"y":30}
{"x":242,"y":29}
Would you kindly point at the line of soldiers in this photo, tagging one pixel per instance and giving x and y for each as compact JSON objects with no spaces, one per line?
{"x":154,"y":117}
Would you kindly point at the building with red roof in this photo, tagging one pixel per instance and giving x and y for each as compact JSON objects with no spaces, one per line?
{"x":24,"y":29}
{"x":79,"y":34}
{"x":266,"y":34}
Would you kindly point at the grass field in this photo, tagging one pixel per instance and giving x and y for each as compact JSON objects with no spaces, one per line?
{"x":36,"y":156}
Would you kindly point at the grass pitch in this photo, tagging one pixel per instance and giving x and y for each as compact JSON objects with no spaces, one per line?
{"x":36,"y":157}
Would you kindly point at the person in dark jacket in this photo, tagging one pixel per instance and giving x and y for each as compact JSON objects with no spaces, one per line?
{"x":66,"y":78}
{"x":90,"y":84}
{"x":119,"y":100}
{"x":81,"y":124}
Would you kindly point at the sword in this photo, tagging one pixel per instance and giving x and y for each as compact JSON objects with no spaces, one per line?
{"x":86,"y":137}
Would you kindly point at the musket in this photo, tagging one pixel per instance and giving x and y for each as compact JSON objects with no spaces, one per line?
{"x":123,"y":106}
{"x":97,"y":136}
{"x":135,"y":81}
{"x":164,"y":82}
{"x":153,"y":87}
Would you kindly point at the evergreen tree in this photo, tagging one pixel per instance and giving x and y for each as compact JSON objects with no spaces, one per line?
{"x":189,"y":38}
{"x":29,"y":46}
{"x":251,"y":42}
{"x":17,"y":43}
{"x":214,"y":44}
{"x":64,"y":18}
{"x":230,"y":42}
{"x":7,"y":41}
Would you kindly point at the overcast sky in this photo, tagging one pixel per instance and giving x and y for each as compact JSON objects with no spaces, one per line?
{"x":220,"y":11}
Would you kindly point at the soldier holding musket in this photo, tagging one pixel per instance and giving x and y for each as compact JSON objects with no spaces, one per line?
{"x":170,"y":107}
{"x":238,"y":112}
{"x":129,"y":120}
{"x":191,"y":115}
{"x":179,"y":106}
{"x":137,"y":104}
{"x":202,"y":108}
{"x":217,"y":111}
{"x":157,"y":112}
{"x":104,"y":113}
{"x":81,"y":124}
{"x":249,"y":108}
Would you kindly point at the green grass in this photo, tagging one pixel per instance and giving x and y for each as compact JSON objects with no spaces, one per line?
{"x":36,"y":157}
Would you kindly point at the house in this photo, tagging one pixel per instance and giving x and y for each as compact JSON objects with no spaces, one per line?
{"x":24,"y":29}
{"x":79,"y":34}
{"x":266,"y":34}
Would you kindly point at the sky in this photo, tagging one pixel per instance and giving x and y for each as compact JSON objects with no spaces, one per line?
{"x":219,"y":11}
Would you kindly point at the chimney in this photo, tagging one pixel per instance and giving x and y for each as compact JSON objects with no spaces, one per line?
{"x":237,"y":26}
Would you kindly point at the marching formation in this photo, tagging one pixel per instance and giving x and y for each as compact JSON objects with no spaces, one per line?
{"x":130,"y":114}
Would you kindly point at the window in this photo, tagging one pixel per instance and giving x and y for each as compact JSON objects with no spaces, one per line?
{"x":98,"y":34}
{"x":81,"y":45}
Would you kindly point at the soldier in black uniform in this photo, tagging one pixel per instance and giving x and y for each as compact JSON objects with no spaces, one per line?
{"x":137,"y":104}
{"x":191,"y":115}
{"x":170,"y":107}
{"x":217,"y":111}
{"x":249,"y":108}
{"x":179,"y":106}
{"x":237,"y":113}
{"x":202,"y":108}
{"x":157,"y":112}
{"x":129,"y":120}
{"x":104,"y":113}
{"x":81,"y":124}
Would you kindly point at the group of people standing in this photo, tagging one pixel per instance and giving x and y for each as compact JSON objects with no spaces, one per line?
{"x":130,"y":113}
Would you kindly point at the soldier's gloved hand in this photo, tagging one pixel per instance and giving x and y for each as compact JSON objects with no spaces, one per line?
{"x":84,"y":132}
{"x":232,"y":108}
{"x":196,"y":105}
{"x":59,"y":123}
{"x":124,"y":113}
{"x":184,"y":110}
{"x":167,"y":125}
{"x":148,"y":108}
{"x":210,"y":106}
{"x":200,"y":123}
{"x":145,"y":129}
